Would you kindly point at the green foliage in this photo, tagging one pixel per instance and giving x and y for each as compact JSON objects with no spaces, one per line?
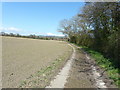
{"x":97,"y":27}
{"x":113,"y":72}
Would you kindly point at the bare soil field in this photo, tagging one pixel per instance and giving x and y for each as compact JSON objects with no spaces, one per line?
{"x":22,"y":58}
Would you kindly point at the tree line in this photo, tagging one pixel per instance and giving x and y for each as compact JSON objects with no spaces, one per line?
{"x":97,"y":27}
{"x":33,"y":36}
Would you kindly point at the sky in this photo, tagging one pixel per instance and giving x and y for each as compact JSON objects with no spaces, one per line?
{"x":40,"y":18}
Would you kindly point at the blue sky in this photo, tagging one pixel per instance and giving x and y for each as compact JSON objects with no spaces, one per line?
{"x":37,"y":17}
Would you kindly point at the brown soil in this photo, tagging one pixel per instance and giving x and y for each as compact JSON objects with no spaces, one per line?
{"x":81,"y":73}
{"x":78,"y":79}
{"x":22,"y":58}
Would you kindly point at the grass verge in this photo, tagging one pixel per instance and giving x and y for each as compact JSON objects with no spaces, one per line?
{"x":106,"y":64}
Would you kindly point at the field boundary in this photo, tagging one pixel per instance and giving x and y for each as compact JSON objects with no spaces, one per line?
{"x":61,"y":79}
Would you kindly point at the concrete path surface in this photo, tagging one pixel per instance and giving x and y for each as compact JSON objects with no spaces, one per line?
{"x":61,"y":78}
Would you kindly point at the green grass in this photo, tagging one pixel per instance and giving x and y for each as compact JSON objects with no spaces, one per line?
{"x":51,"y":67}
{"x":106,"y":64}
{"x":45,"y":71}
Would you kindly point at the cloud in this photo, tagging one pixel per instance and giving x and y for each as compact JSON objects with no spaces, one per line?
{"x":52,"y":34}
{"x":46,"y":34}
{"x":24,"y":32}
{"x":13,"y":29}
{"x":10,"y":29}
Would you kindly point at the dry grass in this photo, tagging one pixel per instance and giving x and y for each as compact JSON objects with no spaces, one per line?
{"x":23,"y":57}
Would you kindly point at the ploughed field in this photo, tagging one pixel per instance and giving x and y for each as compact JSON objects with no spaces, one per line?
{"x":23,"y":57}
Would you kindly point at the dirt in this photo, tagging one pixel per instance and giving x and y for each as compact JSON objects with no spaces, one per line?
{"x":81,"y":74}
{"x":78,"y":79}
{"x":22,"y":67}
{"x":60,"y":79}
{"x":22,"y":58}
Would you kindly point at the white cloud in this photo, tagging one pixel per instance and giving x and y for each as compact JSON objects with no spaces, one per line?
{"x":16,"y":30}
{"x":13,"y":29}
{"x":46,"y":34}
{"x":9,"y":29}
{"x":52,"y":34}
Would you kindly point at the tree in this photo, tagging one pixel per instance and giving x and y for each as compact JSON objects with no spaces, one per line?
{"x":96,"y":27}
